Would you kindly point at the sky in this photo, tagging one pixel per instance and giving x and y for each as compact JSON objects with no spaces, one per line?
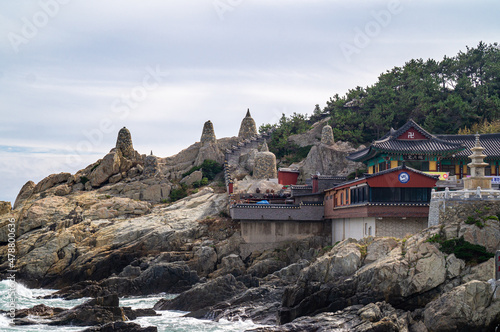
{"x":73,"y":72}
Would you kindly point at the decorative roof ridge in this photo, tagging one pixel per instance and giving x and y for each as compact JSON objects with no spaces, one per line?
{"x":411,"y":123}
{"x":400,"y":168}
{"x":445,"y":137}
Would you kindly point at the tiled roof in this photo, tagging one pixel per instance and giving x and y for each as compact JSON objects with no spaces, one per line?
{"x":390,"y":144}
{"x":390,"y":170}
{"x":400,"y":168}
{"x":490,"y":143}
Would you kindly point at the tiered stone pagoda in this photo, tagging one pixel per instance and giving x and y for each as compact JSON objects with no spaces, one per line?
{"x":477,"y":168}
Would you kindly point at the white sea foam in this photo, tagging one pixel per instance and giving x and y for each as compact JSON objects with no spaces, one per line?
{"x":169,"y":321}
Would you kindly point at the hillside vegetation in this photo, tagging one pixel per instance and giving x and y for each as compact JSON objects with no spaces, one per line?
{"x":444,"y":96}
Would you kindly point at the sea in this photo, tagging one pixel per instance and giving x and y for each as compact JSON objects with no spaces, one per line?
{"x":169,"y":321}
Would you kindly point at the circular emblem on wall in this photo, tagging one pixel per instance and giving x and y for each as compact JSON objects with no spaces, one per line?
{"x":404,"y":177}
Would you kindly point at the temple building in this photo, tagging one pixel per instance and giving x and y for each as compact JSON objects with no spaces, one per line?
{"x":427,"y":152}
{"x":394,"y":202}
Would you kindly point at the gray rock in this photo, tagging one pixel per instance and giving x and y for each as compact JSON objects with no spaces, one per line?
{"x":265,"y":267}
{"x":5,"y":207}
{"x":231,"y":264}
{"x":379,"y":248}
{"x":204,"y":295}
{"x":204,"y":261}
{"x":24,"y":193}
{"x":50,"y":181}
{"x":110,"y":165}
{"x":467,"y":307}
{"x":115,"y":178}
{"x":192,"y":178}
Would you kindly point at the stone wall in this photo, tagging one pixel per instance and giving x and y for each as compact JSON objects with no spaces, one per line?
{"x":264,"y":232}
{"x":447,"y":206}
{"x":398,"y":227}
{"x":459,"y":210}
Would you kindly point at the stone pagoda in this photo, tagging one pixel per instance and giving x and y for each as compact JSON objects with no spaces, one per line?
{"x":209,"y":148}
{"x":124,"y":143}
{"x":248,"y":129}
{"x":208,"y":134}
{"x":477,"y":166}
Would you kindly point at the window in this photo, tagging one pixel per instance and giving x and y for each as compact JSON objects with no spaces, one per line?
{"x":448,"y":168}
{"x":415,"y":195}
{"x":418,"y":165}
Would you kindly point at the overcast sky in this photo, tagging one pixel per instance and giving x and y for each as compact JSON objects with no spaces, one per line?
{"x":72,"y":73}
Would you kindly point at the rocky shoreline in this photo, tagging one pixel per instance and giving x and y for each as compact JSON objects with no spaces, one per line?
{"x":107,"y":232}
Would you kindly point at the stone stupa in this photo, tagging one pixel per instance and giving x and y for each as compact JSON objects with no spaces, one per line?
{"x":124,"y":143}
{"x":248,"y":129}
{"x":209,"y":148}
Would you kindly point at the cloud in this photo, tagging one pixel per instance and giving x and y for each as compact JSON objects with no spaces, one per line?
{"x":273,"y":57}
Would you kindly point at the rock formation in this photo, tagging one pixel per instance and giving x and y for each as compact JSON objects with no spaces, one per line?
{"x":209,"y":147}
{"x":99,"y":311}
{"x":24,"y":193}
{"x":121,"y":159}
{"x":265,"y":164}
{"x":248,"y":129}
{"x":151,"y":167}
{"x":5,"y":207}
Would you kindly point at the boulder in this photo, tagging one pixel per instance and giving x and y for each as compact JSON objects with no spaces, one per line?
{"x":328,"y":160}
{"x":204,"y":261}
{"x":204,"y":295}
{"x":122,"y":327}
{"x":378,"y":316}
{"x":109,"y":165}
{"x":343,"y":260}
{"x":487,"y":236}
{"x":312,"y":136}
{"x":483,"y":272}
{"x":24,"y":193}
{"x":468,"y":307}
{"x":114,"y":207}
{"x":192,"y":178}
{"x":96,"y":311}
{"x":379,"y":248}
{"x":43,"y":212}
{"x":209,"y":150}
{"x":264,"y":267}
{"x":50,"y":181}
{"x":231,"y":264}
